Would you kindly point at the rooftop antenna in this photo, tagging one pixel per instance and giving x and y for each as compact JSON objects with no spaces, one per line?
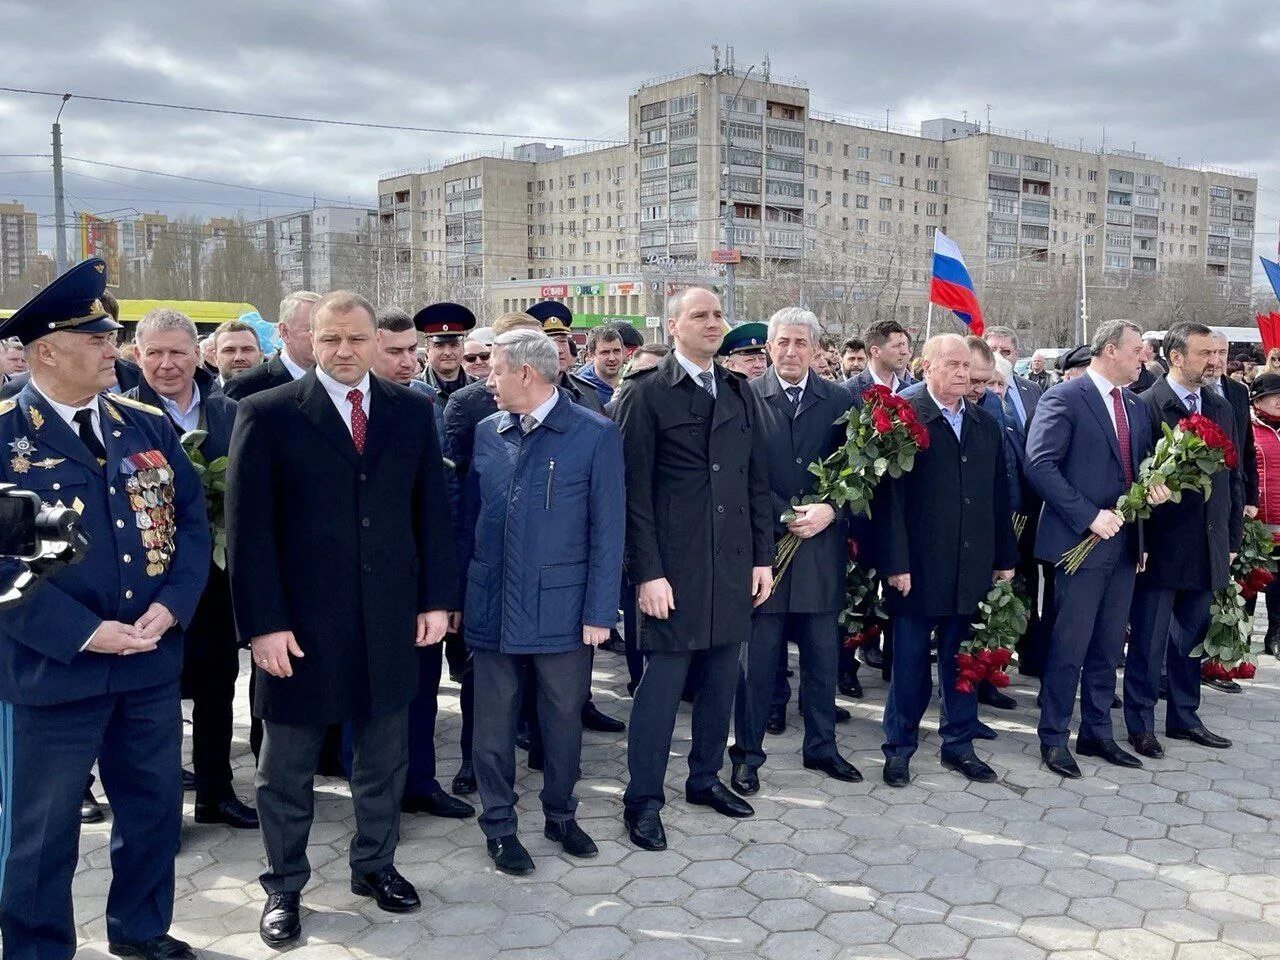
{"x":766,"y":68}
{"x":715,"y":58}
{"x":728,"y":59}
{"x":988,"y":119}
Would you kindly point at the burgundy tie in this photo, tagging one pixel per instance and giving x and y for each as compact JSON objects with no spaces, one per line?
{"x":1122,"y":434}
{"x":360,"y":423}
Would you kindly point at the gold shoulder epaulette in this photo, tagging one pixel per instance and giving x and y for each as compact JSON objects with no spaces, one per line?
{"x":7,"y":405}
{"x":136,"y":404}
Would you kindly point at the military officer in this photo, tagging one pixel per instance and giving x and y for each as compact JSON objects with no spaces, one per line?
{"x":557,"y":322}
{"x":445,"y":325}
{"x":744,"y":349}
{"x":90,"y":663}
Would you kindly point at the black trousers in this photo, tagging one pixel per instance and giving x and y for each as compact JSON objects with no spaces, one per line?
{"x":653,"y":720}
{"x":1166,"y":625}
{"x":560,"y":682}
{"x":286,"y":797}
{"x":209,"y":669}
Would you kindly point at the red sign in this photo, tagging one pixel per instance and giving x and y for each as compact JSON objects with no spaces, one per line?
{"x":726,"y":256}
{"x":554,"y":290}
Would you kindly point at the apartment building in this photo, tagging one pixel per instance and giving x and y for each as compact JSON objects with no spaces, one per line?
{"x":323,"y":248}
{"x":17,"y":242}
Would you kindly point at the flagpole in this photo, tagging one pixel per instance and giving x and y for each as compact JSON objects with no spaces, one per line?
{"x":928,"y":322}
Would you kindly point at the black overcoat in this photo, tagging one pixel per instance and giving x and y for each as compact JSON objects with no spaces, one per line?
{"x":264,"y":376}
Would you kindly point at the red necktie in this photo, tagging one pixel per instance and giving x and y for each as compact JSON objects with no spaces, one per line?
{"x":359,"y":422}
{"x":1122,"y":434}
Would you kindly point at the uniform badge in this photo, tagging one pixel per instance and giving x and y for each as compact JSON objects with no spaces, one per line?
{"x":48,"y":462}
{"x":37,"y":418}
{"x":23,"y":449}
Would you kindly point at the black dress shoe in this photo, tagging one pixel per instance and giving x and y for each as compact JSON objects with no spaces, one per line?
{"x":1107,"y":750}
{"x":280,"y":923}
{"x":90,"y":809}
{"x":524,"y":736}
{"x":983,"y":732}
{"x":897,"y":771}
{"x":509,"y":855}
{"x":537,"y":759}
{"x":777,"y":722}
{"x":1271,"y":643}
{"x":849,"y":685}
{"x":1226,"y":686}
{"x":836,"y":767}
{"x":991,"y":697}
{"x":1200,"y":735}
{"x":1164,"y":689}
{"x":720,"y":799}
{"x":464,"y":781}
{"x":615,"y":643}
{"x":593,"y":719}
{"x":188,"y":780}
{"x":572,"y":838}
{"x":872,"y":657}
{"x":392,"y":892}
{"x":237,"y":815}
{"x":971,"y":768}
{"x":843,"y":715}
{"x":744,"y":779}
{"x":645,"y":831}
{"x":163,"y":947}
{"x":438,"y":804}
{"x":1060,"y":761}
{"x":1147,"y":745}
{"x":1116,"y":702}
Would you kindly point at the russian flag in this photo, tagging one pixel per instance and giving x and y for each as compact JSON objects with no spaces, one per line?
{"x":951,"y":286}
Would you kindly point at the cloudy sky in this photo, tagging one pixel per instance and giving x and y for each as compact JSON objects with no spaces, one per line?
{"x":1190,"y":79}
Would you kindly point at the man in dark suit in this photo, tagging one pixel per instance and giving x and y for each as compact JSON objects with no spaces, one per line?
{"x":175,"y":382}
{"x":798,"y":413}
{"x":294,"y":358}
{"x":700,"y":550}
{"x":888,"y":350}
{"x":1003,"y":341}
{"x":942,"y":532}
{"x":557,"y":322}
{"x":1087,"y":440}
{"x":90,"y":660}
{"x":1190,"y":545}
{"x":362,"y":454}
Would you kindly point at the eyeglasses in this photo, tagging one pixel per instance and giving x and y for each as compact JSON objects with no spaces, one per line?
{"x":474,"y":357}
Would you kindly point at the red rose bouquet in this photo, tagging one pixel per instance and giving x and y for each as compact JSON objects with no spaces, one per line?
{"x":986,"y":654}
{"x":881,"y":438}
{"x":1227,"y":643}
{"x":1185,"y":458}
{"x":862,"y":614}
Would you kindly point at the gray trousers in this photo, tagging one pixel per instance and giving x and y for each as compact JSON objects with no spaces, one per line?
{"x":563,"y":681}
{"x":286,"y":798}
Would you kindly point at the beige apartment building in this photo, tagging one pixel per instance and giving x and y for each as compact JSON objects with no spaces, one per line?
{"x":17,"y":242}
{"x":832,"y":211}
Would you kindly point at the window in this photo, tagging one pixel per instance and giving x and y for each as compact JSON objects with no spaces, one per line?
{"x":863,"y":176}
{"x":744,"y":131}
{"x":785,"y":138}
{"x":931,"y":186}
{"x":683,"y":104}
{"x":1093,"y":176}
{"x":998,"y":158}
{"x":656,"y":135}
{"x":886,"y":156}
{"x":653,"y":111}
{"x":930,"y":209}
{"x":784,"y":164}
{"x":1036,"y":164}
{"x":864,"y":153}
{"x":862,"y":225}
{"x":813,"y":145}
{"x":655,"y":162}
{"x":784,"y":188}
{"x":861,"y":201}
{"x":886,"y":203}
{"x":681,"y":155}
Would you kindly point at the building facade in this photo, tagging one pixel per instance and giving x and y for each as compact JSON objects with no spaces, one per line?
{"x":17,"y":242}
{"x":322,"y":249}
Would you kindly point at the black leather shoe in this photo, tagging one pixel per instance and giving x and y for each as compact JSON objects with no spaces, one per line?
{"x":593,"y":719}
{"x":836,"y":767}
{"x":572,"y":838}
{"x":163,"y":947}
{"x":464,"y":781}
{"x":188,"y":780}
{"x":971,"y":768}
{"x":849,"y":685}
{"x":744,"y":779}
{"x":872,"y":657}
{"x":991,"y":697}
{"x":509,"y":855}
{"x":90,"y":809}
{"x":280,"y":923}
{"x":1164,"y":689}
{"x":1147,"y":745}
{"x":615,"y":643}
{"x":1200,"y":735}
{"x":1107,"y":750}
{"x":1271,"y":643}
{"x":392,"y":892}
{"x":983,"y":732}
{"x":1116,"y":702}
{"x":1060,"y":761}
{"x":720,"y":799}
{"x":843,"y":715}
{"x":777,"y":722}
{"x":524,"y":737}
{"x":897,"y":771}
{"x":645,"y":831}
{"x":537,"y":759}
{"x":438,"y":804}
{"x":237,"y":815}
{"x":1226,"y":686}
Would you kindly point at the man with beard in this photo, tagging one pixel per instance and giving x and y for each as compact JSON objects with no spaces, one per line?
{"x":235,"y":350}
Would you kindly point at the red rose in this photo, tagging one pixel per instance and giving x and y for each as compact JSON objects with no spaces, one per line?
{"x":999,"y":679}
{"x":964,"y":686}
{"x":853,"y":549}
{"x":854,"y":640}
{"x":875,"y":394}
{"x":872,"y":632}
{"x":880,"y":421}
{"x":920,"y":435}
{"x":1246,"y":671}
{"x":1003,"y":655}
{"x":964,"y":661}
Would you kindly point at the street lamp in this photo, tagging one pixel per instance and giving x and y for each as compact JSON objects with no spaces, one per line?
{"x":804,"y":246}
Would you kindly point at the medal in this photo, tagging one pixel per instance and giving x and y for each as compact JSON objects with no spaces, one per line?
{"x":154,"y":569}
{"x":20,"y":464}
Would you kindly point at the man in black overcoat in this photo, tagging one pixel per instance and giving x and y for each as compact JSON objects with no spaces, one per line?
{"x":292,"y":360}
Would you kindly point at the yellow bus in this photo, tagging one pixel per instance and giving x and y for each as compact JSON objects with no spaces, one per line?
{"x":207,"y":314}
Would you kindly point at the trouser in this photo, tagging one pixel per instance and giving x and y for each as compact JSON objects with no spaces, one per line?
{"x":560,"y":682}
{"x":286,"y":798}
{"x":1272,"y":593}
{"x":653,"y":720}
{"x":420,"y":780}
{"x":817,"y":637}
{"x":780,"y":695}
{"x":631,"y":633}
{"x":1166,"y":625}
{"x":46,"y":754}
{"x":911,"y":686}
{"x":1033,"y":646}
{"x":1092,"y":609}
{"x":209,"y":670}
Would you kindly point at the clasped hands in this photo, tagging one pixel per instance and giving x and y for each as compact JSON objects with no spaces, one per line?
{"x":114,"y":636}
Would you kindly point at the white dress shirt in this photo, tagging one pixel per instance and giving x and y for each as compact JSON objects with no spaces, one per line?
{"x":188,"y":419}
{"x":694,"y":371}
{"x":1105,"y":387}
{"x":68,"y":413}
{"x":295,"y":371}
{"x":539,"y":413}
{"x":338,"y":394}
{"x":894,"y":383}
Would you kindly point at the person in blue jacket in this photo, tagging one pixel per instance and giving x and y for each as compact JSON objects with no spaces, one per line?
{"x":90,"y":662}
{"x":542,"y":583}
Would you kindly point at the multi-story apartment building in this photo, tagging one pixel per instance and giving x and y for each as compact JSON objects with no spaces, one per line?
{"x":17,"y":242}
{"x":828,"y":209}
{"x":324,"y":248}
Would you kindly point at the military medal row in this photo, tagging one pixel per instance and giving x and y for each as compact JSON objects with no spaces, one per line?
{"x":150,"y":489}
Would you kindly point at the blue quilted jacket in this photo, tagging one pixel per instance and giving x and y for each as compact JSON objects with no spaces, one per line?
{"x":547,"y":554}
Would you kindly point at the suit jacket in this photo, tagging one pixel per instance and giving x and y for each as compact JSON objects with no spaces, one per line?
{"x":948,"y":521}
{"x":815,"y":581}
{"x":127,"y":376}
{"x":1189,"y":543}
{"x":342,"y":548}
{"x":1237,"y":394}
{"x":859,"y":384}
{"x":1029,"y":394}
{"x":264,"y":376}
{"x":1073,"y":463}
{"x":698,"y":506}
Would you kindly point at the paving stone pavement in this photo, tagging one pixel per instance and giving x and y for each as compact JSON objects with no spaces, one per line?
{"x":1178,"y":860}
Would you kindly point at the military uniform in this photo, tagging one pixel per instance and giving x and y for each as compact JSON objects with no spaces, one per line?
{"x":63,"y":706}
{"x":442,"y":322}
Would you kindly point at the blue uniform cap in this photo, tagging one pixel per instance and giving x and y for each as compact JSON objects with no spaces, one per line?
{"x":72,"y":302}
{"x":744,"y":338}
{"x":444,"y":321}
{"x":554,"y":316}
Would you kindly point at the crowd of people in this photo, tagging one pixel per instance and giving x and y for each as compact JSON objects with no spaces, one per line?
{"x":389,"y":496}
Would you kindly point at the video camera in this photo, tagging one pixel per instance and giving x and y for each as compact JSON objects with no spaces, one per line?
{"x":35,"y":541}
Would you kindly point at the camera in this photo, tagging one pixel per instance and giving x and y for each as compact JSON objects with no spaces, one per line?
{"x":35,"y":541}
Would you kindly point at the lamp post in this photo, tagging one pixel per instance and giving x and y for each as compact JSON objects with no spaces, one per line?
{"x":804,"y":248}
